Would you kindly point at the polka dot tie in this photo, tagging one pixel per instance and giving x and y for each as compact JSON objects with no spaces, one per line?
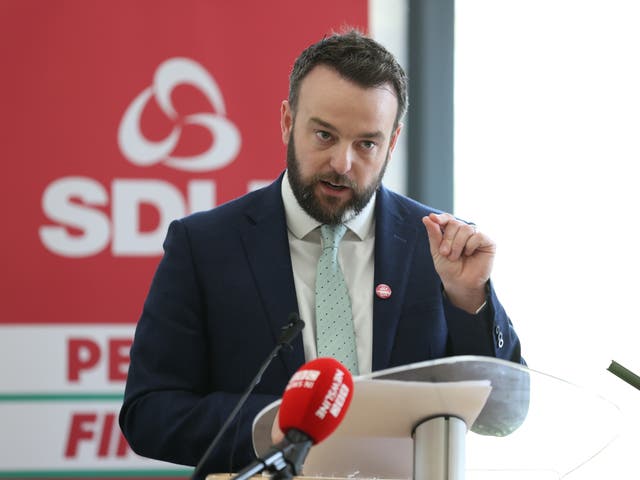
{"x":334,"y":324}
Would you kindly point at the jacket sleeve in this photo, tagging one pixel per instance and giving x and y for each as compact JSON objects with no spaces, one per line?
{"x":173,"y":407}
{"x":488,"y":333}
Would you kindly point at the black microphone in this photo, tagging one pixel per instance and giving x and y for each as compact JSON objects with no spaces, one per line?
{"x":289,"y":333}
{"x":291,"y":330}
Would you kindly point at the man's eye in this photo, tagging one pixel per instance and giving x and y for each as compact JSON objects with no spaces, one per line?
{"x":368,"y":145}
{"x":322,"y":135}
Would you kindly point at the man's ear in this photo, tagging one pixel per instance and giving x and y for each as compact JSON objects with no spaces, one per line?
{"x":286,"y":121}
{"x":394,"y":137}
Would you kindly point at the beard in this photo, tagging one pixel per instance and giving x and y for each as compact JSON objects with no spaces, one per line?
{"x":332,"y":212}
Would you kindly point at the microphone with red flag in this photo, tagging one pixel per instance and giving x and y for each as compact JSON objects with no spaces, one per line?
{"x":314,"y":403}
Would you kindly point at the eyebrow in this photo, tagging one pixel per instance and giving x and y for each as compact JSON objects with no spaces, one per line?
{"x":377,"y":134}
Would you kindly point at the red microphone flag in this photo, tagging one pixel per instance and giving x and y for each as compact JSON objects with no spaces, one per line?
{"x":316,"y":398}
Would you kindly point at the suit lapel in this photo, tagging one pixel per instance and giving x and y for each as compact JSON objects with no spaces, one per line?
{"x":267,"y":248}
{"x":394,"y":245}
{"x":266,"y":245}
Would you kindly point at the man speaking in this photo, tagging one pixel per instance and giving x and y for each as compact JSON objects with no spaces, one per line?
{"x":379,"y":279}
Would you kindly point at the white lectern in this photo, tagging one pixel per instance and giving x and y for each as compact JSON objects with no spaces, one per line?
{"x":459,"y":418}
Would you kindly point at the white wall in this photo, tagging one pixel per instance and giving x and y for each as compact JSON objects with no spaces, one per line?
{"x":547,"y":148}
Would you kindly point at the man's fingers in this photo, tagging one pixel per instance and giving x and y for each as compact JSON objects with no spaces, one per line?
{"x":479,"y":242}
{"x":464,"y":240}
{"x":473,"y":244}
{"x":277,"y":435}
{"x":434,"y":233}
{"x":453,"y":242}
{"x":450,"y":237}
{"x":442,"y":229}
{"x":441,"y":218}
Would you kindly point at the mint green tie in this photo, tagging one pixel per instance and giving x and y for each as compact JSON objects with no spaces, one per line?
{"x":334,"y":323}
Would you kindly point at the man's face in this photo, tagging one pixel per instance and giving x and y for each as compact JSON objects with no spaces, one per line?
{"x":341,"y":143}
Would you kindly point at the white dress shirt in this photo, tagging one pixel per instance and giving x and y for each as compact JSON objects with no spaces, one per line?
{"x":356,"y":258}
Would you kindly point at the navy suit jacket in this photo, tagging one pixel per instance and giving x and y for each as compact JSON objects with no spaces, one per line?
{"x":220,"y":296}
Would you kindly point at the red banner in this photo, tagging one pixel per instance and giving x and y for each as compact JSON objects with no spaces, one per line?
{"x":119,"y":116}
{"x":116,"y":117}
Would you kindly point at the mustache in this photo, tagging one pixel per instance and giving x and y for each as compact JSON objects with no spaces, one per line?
{"x":336,"y":179}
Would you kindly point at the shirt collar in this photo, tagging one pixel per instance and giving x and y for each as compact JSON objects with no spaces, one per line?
{"x":300,"y":223}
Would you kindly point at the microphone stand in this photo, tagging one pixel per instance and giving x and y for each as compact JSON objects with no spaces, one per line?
{"x":289,"y":332}
{"x":284,"y":460}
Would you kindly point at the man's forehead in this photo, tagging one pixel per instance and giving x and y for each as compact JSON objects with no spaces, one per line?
{"x":325,"y":74}
{"x":325,"y":93}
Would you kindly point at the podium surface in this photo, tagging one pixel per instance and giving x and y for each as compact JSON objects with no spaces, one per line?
{"x":526,"y":425}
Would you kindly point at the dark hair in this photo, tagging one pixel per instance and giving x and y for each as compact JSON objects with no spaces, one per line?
{"x":357,"y":58}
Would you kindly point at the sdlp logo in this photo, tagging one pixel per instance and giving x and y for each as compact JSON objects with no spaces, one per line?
{"x":96,"y":228}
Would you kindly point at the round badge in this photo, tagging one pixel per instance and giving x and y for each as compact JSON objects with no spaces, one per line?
{"x":383,"y":291}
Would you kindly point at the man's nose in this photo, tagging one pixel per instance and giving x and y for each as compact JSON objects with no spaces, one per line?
{"x":342,"y":159}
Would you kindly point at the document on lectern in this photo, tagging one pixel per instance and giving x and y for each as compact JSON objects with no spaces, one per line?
{"x":375,"y":437}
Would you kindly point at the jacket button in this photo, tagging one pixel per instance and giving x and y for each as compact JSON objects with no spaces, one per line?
{"x":499,"y":336}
